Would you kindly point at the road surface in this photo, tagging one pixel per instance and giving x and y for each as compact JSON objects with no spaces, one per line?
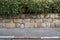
{"x":41,"y":32}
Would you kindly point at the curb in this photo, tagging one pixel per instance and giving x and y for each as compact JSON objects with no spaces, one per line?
{"x":19,"y":37}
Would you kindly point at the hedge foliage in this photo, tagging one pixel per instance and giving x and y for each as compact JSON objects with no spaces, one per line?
{"x":17,"y":7}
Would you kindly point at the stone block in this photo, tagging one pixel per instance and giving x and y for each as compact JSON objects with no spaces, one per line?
{"x":32,"y":21}
{"x":18,"y":20}
{"x":38,"y":20}
{"x":39,"y":25}
{"x":52,"y":15}
{"x":42,"y":15}
{"x":26,"y":20}
{"x":29,"y":25}
{"x":23,"y":16}
{"x":19,"y":25}
{"x":38,"y":16}
{"x":35,"y":25}
{"x":56,"y":20}
{"x":47,"y":20}
{"x":10,"y":25}
{"x":47,"y":16}
{"x":34,"y":16}
{"x":45,"y":25}
{"x":7,"y":20}
{"x":22,"y":25}
{"x":57,"y":15}
{"x":57,"y":25}
{"x":52,"y":25}
{"x":1,"y":25}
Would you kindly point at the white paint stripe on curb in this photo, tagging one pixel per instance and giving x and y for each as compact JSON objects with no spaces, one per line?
{"x":49,"y":37}
{"x":27,"y":37}
{"x":7,"y":36}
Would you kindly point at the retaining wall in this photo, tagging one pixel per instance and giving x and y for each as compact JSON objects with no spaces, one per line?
{"x":32,"y":21}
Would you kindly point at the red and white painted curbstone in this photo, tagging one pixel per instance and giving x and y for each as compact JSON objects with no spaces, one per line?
{"x":28,"y":37}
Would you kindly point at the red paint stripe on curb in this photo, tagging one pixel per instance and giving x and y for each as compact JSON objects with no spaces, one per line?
{"x":26,"y":37}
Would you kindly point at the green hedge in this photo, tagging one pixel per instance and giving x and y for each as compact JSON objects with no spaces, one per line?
{"x":13,"y":8}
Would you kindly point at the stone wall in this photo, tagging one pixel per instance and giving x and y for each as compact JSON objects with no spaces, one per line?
{"x":32,"y":21}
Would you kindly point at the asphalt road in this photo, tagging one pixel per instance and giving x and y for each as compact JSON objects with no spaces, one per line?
{"x":30,"y":32}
